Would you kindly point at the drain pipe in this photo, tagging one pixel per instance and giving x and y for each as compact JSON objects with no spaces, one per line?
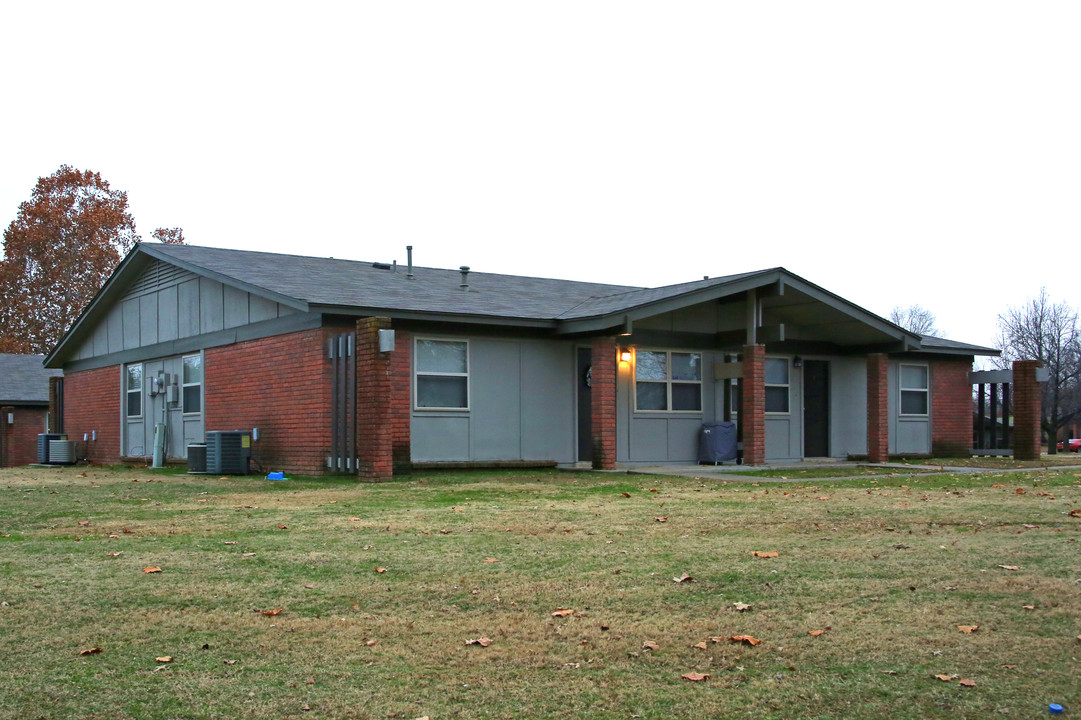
{"x":409,"y":255}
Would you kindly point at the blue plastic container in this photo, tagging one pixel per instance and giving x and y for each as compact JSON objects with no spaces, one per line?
{"x":276,"y":476}
{"x":1055,"y":709}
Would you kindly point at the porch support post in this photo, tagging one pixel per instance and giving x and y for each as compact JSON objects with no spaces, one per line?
{"x":6,"y":435}
{"x":1026,"y":410}
{"x":375,"y":437}
{"x":56,"y":404}
{"x":602,"y":397}
{"x":878,"y":416}
{"x":752,"y":416}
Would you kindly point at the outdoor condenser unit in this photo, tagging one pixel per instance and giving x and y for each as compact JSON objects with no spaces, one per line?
{"x":228,"y":452}
{"x":43,"y":445}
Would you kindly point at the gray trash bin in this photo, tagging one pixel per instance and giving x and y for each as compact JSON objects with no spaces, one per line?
{"x":717,"y":442}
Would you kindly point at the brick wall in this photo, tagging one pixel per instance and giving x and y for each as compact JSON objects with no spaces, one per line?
{"x":878,"y":418}
{"x":1026,"y":410}
{"x":92,"y":402}
{"x":375,"y":435}
{"x":951,"y":407}
{"x":602,"y":397}
{"x":19,"y":440}
{"x":752,"y":416}
{"x":401,"y":401}
{"x":279,"y":384}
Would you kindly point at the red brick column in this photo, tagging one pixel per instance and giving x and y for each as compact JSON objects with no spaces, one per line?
{"x":1026,"y":410}
{"x":878,"y":404}
{"x":401,"y":369}
{"x":55,"y":421}
{"x":5,"y":435}
{"x":951,"y":407}
{"x":603,"y":403}
{"x":375,"y":436}
{"x":752,"y":416}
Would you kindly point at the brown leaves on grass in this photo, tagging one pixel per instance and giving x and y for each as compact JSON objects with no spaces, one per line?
{"x":490,"y":560}
{"x":661,"y":519}
{"x":683,"y":578}
{"x":650,"y":645}
{"x":815,"y":633}
{"x":967,"y":683}
{"x":562,"y":612}
{"x":968,"y":629}
{"x":760,"y":554}
{"x":1075,"y":513}
{"x":164,"y":659}
{"x":702,"y":645}
{"x":946,"y":678}
{"x":152,"y":569}
{"x":695,"y":677}
{"x":740,"y":607}
{"x":380,"y":569}
{"x":90,"y":651}
{"x":483,"y":642}
{"x":745,"y":639}
{"x":275,"y":611}
{"x":370,"y":643}
{"x":1009,"y":567}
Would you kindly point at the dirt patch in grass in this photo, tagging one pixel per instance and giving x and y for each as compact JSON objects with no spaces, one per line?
{"x":887,"y":569}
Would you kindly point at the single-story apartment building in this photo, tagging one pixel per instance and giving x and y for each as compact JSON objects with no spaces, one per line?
{"x":24,"y":407}
{"x":373,"y":368}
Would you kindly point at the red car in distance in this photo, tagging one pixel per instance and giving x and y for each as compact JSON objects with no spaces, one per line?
{"x":1075,"y":445}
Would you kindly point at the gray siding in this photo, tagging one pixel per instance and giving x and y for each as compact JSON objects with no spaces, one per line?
{"x":521,"y":406}
{"x":848,"y":407}
{"x":166,"y":303}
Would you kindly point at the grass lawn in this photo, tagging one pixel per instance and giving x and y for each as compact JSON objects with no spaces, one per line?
{"x":269,"y":603}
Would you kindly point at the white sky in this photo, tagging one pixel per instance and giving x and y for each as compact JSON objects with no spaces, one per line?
{"x":893,"y":153}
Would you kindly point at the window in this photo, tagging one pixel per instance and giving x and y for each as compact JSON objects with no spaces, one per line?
{"x":914,"y":390}
{"x":193,"y":384}
{"x":442,"y":374}
{"x":134,"y":389}
{"x":668,"y":381}
{"x":776,"y":372}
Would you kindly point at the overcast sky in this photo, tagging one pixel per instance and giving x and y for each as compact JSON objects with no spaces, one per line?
{"x":893,"y":153}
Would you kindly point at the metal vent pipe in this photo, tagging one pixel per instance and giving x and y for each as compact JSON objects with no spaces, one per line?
{"x":464,"y":285}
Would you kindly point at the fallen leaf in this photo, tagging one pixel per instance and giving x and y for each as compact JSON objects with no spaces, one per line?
{"x":229,"y":662}
{"x":283,"y":527}
{"x":164,"y":659}
{"x":1008,"y":667}
{"x":490,"y":560}
{"x":248,"y":555}
{"x":744,"y":639}
{"x":702,"y":645}
{"x":757,"y":553}
{"x":483,"y":642}
{"x":740,"y":607}
{"x":1075,"y":513}
{"x":1028,"y":607}
{"x":683,"y":578}
{"x":84,"y":523}
{"x":116,"y":554}
{"x":661,"y":519}
{"x":369,"y":643}
{"x":626,"y":494}
{"x":310,"y":587}
{"x":946,"y":678}
{"x":82,"y":474}
{"x":815,"y":633}
{"x":275,"y":611}
{"x":562,"y":612}
{"x":367,"y":547}
{"x":1009,"y":567}
{"x":968,"y":629}
{"x":1019,"y":491}
{"x":380,"y":569}
{"x":229,"y":542}
{"x":967,"y":683}
{"x":152,"y":569}
{"x":695,"y":677}
{"x":650,"y":645}
{"x":1030,"y":527}
{"x":90,"y":651}
{"x":994,"y":486}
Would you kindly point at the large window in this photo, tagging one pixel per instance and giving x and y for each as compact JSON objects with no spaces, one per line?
{"x":442,"y":374}
{"x":914,"y":390}
{"x":777,"y":385}
{"x":668,"y":381}
{"x":193,"y":383}
{"x":134,"y":389}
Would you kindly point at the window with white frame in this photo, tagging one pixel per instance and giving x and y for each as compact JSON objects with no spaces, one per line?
{"x":193,"y":384}
{"x":442,"y":374}
{"x":134,"y":390}
{"x":777,"y":385}
{"x":915,"y":390}
{"x":668,"y":381}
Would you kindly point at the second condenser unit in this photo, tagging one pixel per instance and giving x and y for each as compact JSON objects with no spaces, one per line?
{"x":228,"y":452}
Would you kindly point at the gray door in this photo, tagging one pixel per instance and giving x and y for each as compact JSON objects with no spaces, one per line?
{"x":585,"y":406}
{"x":816,"y":408}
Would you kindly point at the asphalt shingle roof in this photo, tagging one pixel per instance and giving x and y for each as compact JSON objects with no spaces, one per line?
{"x":24,"y":380}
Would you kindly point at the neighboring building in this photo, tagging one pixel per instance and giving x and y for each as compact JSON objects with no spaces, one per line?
{"x":24,"y":407}
{"x":486,"y":368}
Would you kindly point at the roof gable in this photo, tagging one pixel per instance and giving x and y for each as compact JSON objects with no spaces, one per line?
{"x":24,"y":380}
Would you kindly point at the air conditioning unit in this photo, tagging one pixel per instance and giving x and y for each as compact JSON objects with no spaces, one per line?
{"x":61,"y":452}
{"x":228,"y":452}
{"x":197,"y":459}
{"x":43,"y":445}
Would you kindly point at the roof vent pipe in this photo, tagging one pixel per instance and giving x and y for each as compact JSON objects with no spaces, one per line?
{"x":409,"y":255}
{"x":464,"y":285}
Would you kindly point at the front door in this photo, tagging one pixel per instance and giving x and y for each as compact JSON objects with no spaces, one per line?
{"x":585,"y":406}
{"x":816,"y":408}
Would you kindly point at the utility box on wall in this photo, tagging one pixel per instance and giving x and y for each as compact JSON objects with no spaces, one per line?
{"x":228,"y":452}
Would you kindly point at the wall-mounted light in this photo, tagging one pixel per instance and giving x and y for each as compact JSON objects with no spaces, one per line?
{"x":628,"y":326}
{"x":797,"y":361}
{"x":625,"y":356}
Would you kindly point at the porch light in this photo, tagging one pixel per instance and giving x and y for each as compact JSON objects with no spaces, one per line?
{"x":797,"y":361}
{"x":625,"y":356}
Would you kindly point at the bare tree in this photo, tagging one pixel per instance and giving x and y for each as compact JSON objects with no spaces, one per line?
{"x":915,"y":319}
{"x":1046,"y":331}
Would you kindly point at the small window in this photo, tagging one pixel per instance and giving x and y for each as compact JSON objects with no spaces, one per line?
{"x":134,"y":389}
{"x":193,"y":384}
{"x":914,"y":390}
{"x":442,"y":374}
{"x":777,"y":385}
{"x":668,"y":380}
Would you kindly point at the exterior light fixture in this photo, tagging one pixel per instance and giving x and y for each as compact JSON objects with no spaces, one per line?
{"x":797,"y":361}
{"x":625,"y":356}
